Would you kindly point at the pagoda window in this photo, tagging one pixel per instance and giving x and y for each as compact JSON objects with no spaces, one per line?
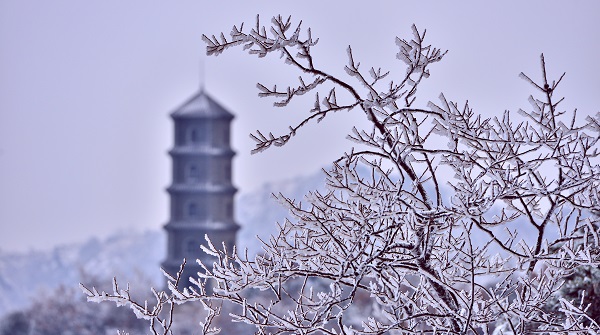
{"x":196,"y":210}
{"x":193,"y":173}
{"x":197,"y":134}
{"x":192,"y":210}
{"x":191,"y":248}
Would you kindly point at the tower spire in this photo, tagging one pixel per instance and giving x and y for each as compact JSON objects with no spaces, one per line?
{"x":201,"y":72}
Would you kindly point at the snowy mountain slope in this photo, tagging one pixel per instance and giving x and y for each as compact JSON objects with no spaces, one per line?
{"x":127,"y":256}
{"x":133,"y":257}
{"x":259,"y":212}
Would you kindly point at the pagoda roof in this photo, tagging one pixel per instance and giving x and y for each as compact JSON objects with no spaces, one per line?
{"x":201,"y":105}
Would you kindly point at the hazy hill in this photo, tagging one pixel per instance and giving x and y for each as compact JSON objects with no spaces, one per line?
{"x":132,"y":256}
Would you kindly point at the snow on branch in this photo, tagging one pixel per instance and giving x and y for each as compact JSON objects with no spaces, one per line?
{"x":440,"y":221}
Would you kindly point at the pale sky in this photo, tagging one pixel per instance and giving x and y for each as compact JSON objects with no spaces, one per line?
{"x":86,"y":88}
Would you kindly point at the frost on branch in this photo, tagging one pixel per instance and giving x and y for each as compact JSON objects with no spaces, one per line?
{"x":438,"y":221}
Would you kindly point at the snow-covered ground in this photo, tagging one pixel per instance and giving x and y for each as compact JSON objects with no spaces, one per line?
{"x":133,"y":256}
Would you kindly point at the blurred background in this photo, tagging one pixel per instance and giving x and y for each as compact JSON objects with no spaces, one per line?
{"x":86,"y":89}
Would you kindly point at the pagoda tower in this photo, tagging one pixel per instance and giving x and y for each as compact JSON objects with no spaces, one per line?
{"x":201,"y":192}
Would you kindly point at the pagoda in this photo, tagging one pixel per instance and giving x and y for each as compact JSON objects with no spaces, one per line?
{"x":201,"y":193}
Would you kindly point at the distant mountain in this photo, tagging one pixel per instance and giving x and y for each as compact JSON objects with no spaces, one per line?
{"x":128,"y":256}
{"x":133,"y":257}
{"x":258,"y":212}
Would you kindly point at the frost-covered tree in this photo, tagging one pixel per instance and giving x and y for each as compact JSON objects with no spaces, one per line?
{"x":438,"y":220}
{"x":583,"y":283}
{"x":65,"y":312}
{"x":15,"y":323}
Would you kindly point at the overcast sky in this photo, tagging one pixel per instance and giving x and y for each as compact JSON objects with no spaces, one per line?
{"x":86,"y":88}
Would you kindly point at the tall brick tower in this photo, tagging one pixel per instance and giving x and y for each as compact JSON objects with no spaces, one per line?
{"x":201,"y":192}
